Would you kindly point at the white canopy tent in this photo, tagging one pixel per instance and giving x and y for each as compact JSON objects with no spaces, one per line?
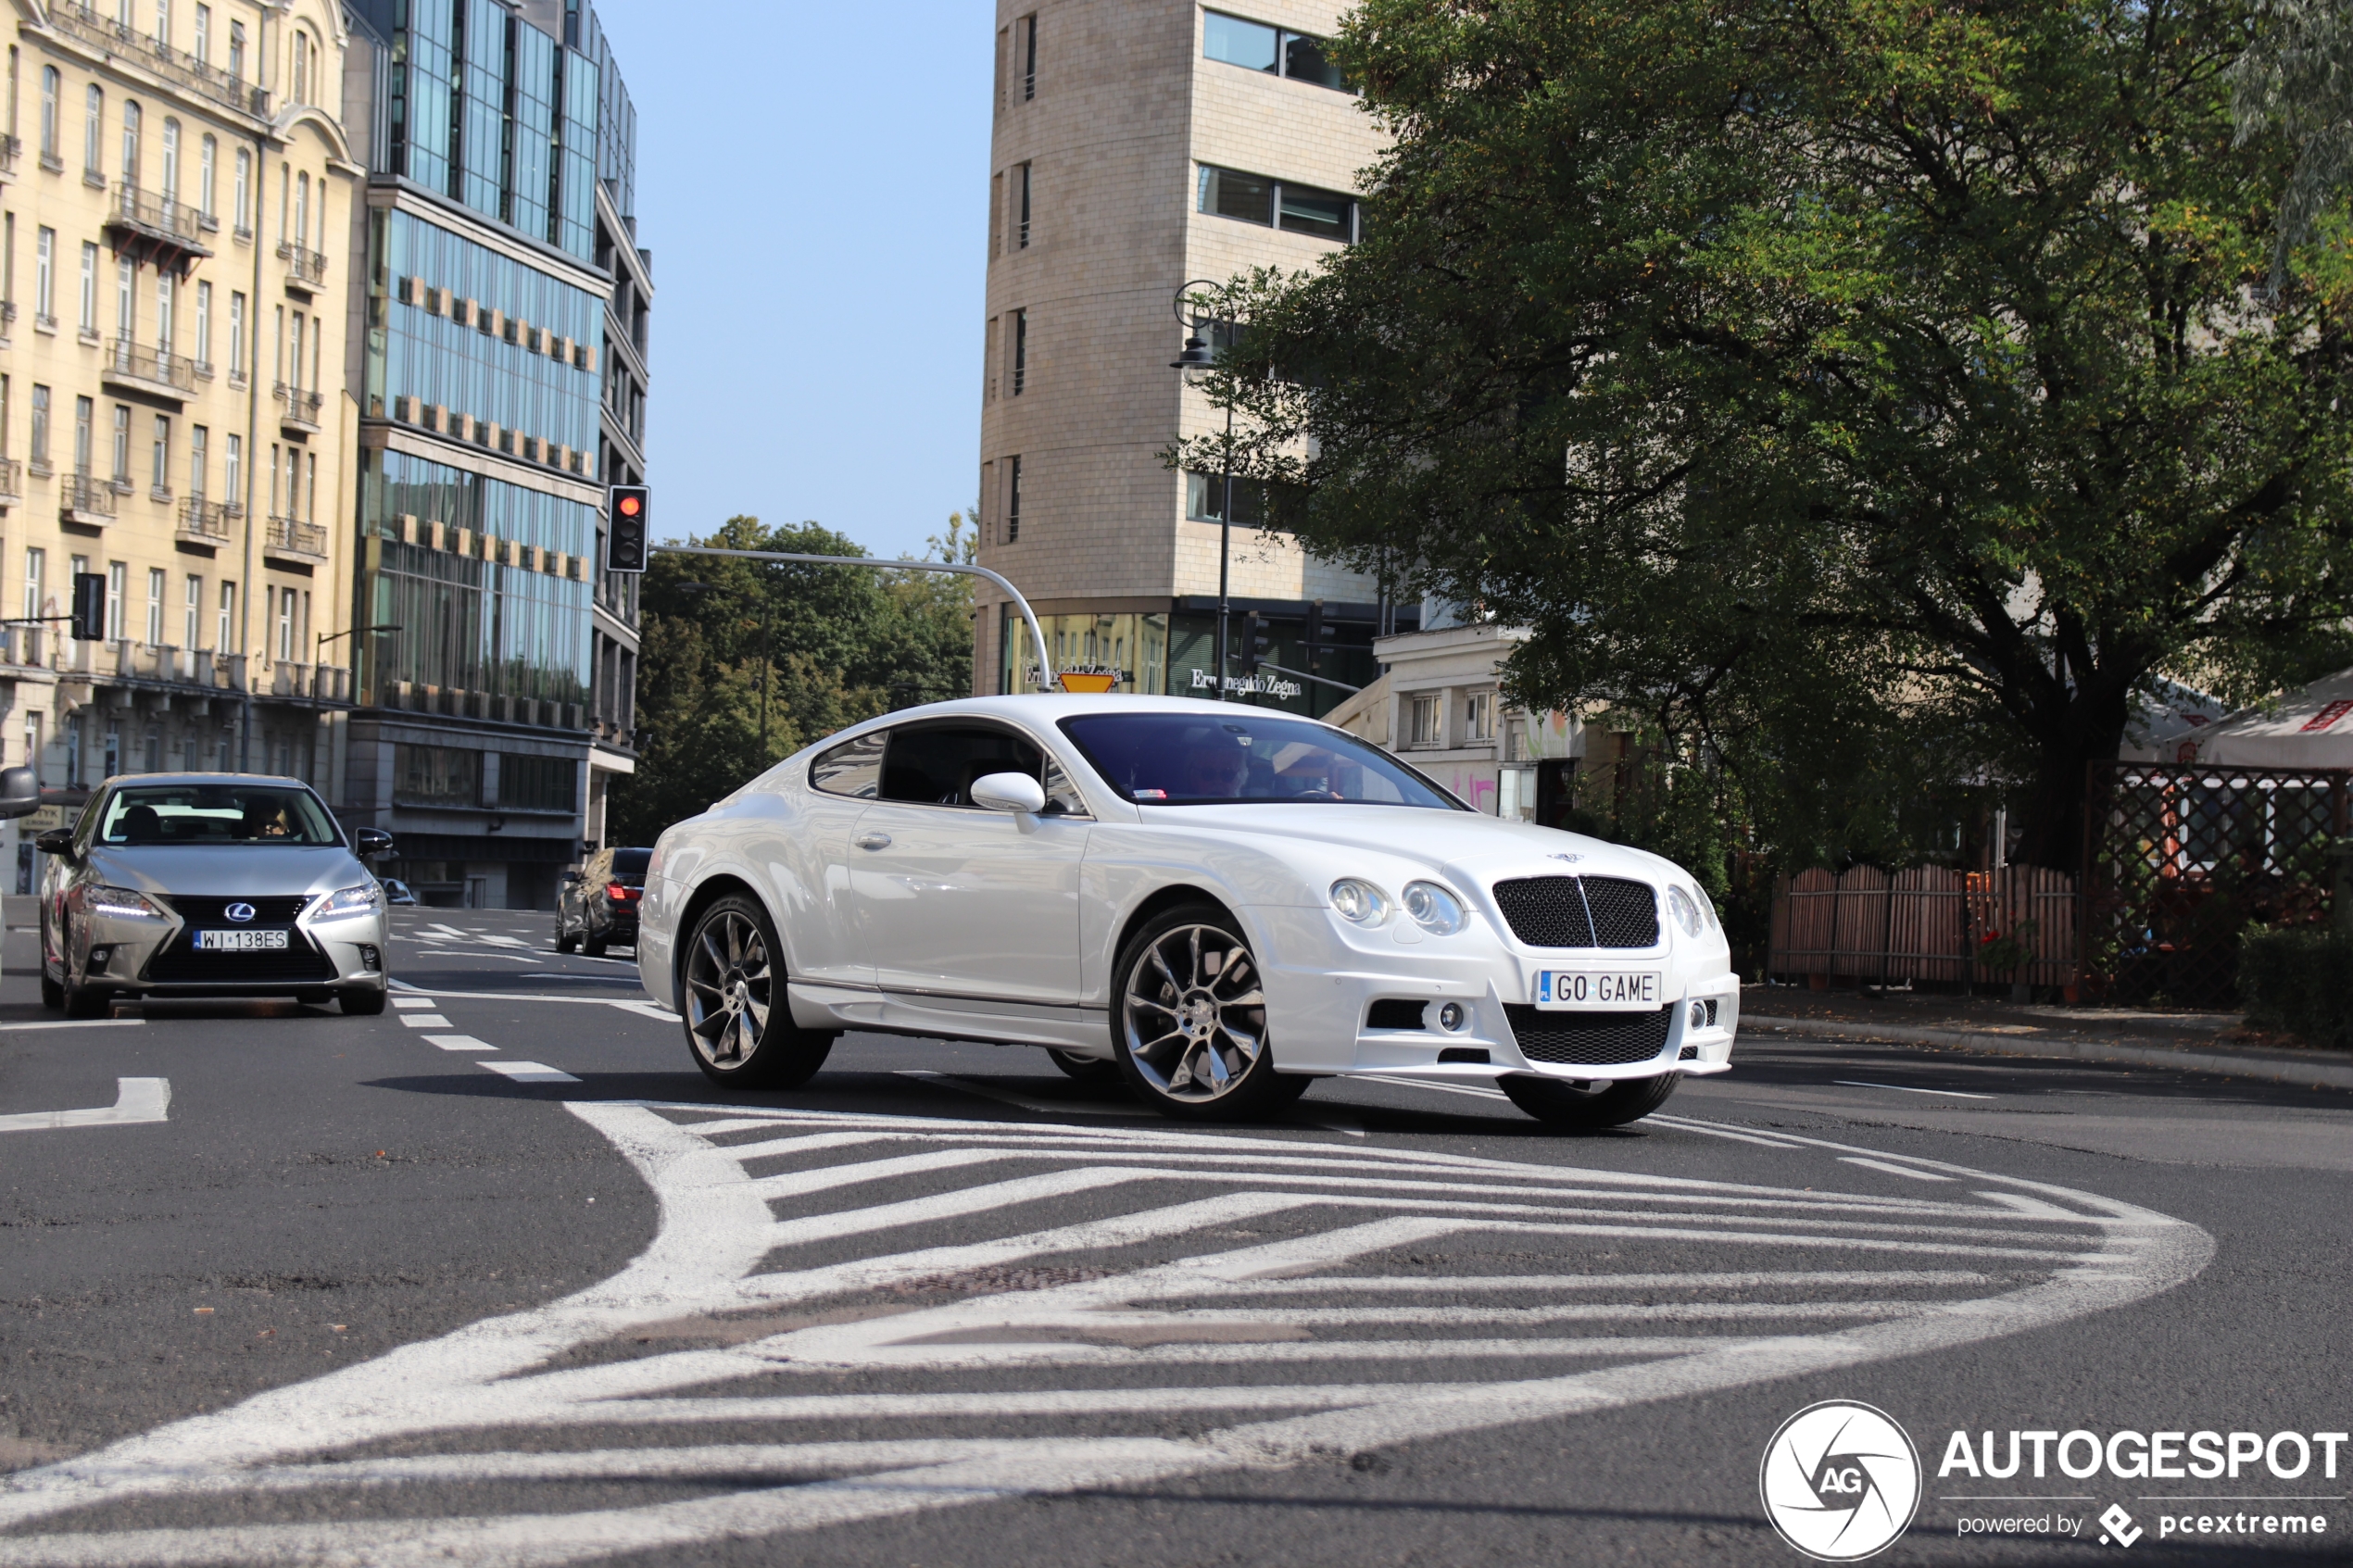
{"x":2312,"y":728}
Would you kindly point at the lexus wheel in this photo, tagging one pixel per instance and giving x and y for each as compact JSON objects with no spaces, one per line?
{"x":739,"y":1024}
{"x":1609,"y":1103}
{"x":1190,"y":1025}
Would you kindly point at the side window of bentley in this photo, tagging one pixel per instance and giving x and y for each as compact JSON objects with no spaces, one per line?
{"x":937,"y":764}
{"x":853,"y":767}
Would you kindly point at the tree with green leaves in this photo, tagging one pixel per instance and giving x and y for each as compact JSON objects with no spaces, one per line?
{"x":1876,"y":397}
{"x":818,"y":648}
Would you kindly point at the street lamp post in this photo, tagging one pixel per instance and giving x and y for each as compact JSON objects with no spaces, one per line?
{"x":1199,"y":356}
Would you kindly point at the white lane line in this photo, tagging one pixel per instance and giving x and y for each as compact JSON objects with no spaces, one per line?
{"x":531,"y":1072}
{"x":998,"y":1403}
{"x":991,"y":1092}
{"x":424,"y":1020}
{"x":1890,"y":1168}
{"x":1752,"y":1279}
{"x":1906,"y":1089}
{"x":135,"y":1099}
{"x":1683,"y":1125}
{"x":467,"y":1043}
{"x":413,"y":1001}
{"x":77,"y":1023}
{"x":627,"y":1005}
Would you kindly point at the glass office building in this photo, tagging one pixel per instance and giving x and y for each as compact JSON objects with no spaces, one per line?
{"x":500,"y":138}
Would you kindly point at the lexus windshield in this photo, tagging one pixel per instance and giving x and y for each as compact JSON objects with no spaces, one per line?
{"x":1205,"y":759}
{"x":216,"y":813}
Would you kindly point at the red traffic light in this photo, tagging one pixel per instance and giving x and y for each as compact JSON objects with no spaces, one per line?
{"x":631,"y":505}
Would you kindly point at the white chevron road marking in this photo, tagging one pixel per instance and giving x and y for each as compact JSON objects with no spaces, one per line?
{"x":821,"y":1252}
{"x":135,"y":1101}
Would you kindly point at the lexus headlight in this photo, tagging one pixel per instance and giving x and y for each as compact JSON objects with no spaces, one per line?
{"x":117,"y":903}
{"x":1686,"y":914}
{"x":364,"y":899}
{"x":1433,"y":908}
{"x":1360,"y":901}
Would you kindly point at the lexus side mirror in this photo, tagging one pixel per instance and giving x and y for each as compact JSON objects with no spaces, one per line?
{"x":369,"y":843}
{"x":1008,"y":792}
{"x":19,"y":792}
{"x":56,"y":841}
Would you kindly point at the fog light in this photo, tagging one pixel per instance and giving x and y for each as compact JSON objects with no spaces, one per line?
{"x":1699,"y":1015}
{"x":99,"y":957}
{"x":369,"y":958}
{"x":1452,"y":1017}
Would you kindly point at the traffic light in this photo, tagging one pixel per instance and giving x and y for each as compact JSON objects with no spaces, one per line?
{"x":89,"y":606}
{"x":625,"y":524}
{"x":1257,"y":636}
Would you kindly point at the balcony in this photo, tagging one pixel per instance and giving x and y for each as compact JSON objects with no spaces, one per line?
{"x":306,"y":270}
{"x":152,"y":370}
{"x":203,"y":522}
{"x":162,"y":230}
{"x":115,"y":38}
{"x":11,"y":480}
{"x":287,"y":540}
{"x":85,"y":501}
{"x":298,"y":410}
{"x":24,"y":645}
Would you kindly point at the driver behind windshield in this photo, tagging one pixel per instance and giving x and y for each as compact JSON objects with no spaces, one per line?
{"x":1215,"y":767}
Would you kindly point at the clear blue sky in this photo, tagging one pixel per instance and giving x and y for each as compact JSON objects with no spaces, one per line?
{"x":812,"y":182}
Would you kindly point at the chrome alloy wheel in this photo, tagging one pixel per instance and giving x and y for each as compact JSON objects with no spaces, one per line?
{"x":1194,"y":1015}
{"x":729,"y":989}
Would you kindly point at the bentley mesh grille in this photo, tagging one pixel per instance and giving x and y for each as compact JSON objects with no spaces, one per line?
{"x":1588,"y":1039}
{"x":1579,"y":911}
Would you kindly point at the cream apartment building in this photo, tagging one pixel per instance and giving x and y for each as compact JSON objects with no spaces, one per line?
{"x":1139,"y":145}
{"x":175,"y":187}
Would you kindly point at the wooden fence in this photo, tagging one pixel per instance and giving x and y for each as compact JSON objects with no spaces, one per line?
{"x":1927,"y":923}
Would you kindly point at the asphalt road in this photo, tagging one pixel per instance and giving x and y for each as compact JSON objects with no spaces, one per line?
{"x":498,"y":1278}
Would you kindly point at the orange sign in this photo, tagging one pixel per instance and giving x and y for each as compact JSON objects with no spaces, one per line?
{"x":1088,"y":681}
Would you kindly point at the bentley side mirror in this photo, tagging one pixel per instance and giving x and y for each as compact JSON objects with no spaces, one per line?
{"x":19,"y":792}
{"x":370,"y":843}
{"x":1008,"y":792}
{"x":56,"y":841}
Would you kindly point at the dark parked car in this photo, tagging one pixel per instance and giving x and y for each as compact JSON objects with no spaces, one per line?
{"x":598,"y":904}
{"x":398,"y":891}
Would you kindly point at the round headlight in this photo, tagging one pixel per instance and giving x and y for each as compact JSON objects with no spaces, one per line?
{"x":1686,"y":914}
{"x":1433,"y":908}
{"x":1360,"y":901}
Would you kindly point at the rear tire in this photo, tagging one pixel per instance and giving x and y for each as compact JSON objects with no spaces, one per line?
{"x":565,"y":941}
{"x":738,"y":1020}
{"x":362,"y":1002}
{"x":1098,"y":1071}
{"x":1616,"y":1103}
{"x":594,"y":947}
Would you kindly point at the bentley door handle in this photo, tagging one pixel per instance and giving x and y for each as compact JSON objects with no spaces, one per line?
{"x":872,"y":841}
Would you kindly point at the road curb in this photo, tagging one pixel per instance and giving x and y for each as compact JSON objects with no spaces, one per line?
{"x":2315,"y":1073}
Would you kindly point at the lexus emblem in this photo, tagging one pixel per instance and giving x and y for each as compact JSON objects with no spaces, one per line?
{"x":239,"y":912}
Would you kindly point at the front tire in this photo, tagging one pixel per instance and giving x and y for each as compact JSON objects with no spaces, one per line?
{"x":362,"y":1002}
{"x":1189,"y":1024}
{"x":88,"y":1001}
{"x":565,"y":941}
{"x":1614,"y":1104}
{"x":52,"y":995}
{"x":738,"y":1022}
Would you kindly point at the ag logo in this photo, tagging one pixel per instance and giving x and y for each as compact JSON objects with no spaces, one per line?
{"x":1840,"y":1481}
{"x":239,"y":912}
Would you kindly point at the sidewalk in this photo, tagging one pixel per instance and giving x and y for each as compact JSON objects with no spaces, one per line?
{"x":2196,"y":1041}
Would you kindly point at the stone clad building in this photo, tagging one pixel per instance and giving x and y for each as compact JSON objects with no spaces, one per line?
{"x":176,"y":193}
{"x":1139,"y":145}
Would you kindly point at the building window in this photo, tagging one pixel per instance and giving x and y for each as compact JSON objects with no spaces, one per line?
{"x":1254,"y":198}
{"x":1422,"y":716}
{"x":1021,"y":231}
{"x":1478,"y":716}
{"x":122,"y":444}
{"x":93,"y":129}
{"x":85,"y":417}
{"x":117,"y":589}
{"x":170,"y":160}
{"x":538,"y":783}
{"x":233,"y":471}
{"x":1012,"y":499}
{"x":203,"y":328}
{"x":191,"y":615}
{"x":157,"y":580}
{"x":204,"y":35}
{"x":199,"y":460}
{"x":49,"y":84}
{"x":45,"y":278}
{"x":1026,"y":36}
{"x":131,"y":142}
{"x":237,"y":51}
{"x":1021,"y":350}
{"x":208,"y":168}
{"x":285,"y":624}
{"x":1255,"y":46}
{"x":436,"y":775}
{"x":163,"y":22}
{"x":40,"y":448}
{"x":35,"y":561}
{"x":227,"y":631}
{"x":161,"y":480}
{"x":241,"y":189}
{"x":167,"y":296}
{"x":126,"y":300}
{"x":90,"y":289}
{"x":236,"y":335}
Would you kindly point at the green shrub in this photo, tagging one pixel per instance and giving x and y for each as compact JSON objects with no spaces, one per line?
{"x":2294,"y":978}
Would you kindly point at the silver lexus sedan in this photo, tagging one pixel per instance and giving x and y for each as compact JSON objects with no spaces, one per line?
{"x":209,"y":884}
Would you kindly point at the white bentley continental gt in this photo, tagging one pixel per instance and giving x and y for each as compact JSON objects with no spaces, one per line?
{"x":1216,"y":903}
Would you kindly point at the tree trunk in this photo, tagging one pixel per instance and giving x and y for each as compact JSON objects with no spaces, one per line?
{"x":2090,"y":731}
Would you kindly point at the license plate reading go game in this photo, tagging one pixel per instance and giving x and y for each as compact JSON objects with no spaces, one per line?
{"x":1612,"y":989}
{"x":241,"y":941}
